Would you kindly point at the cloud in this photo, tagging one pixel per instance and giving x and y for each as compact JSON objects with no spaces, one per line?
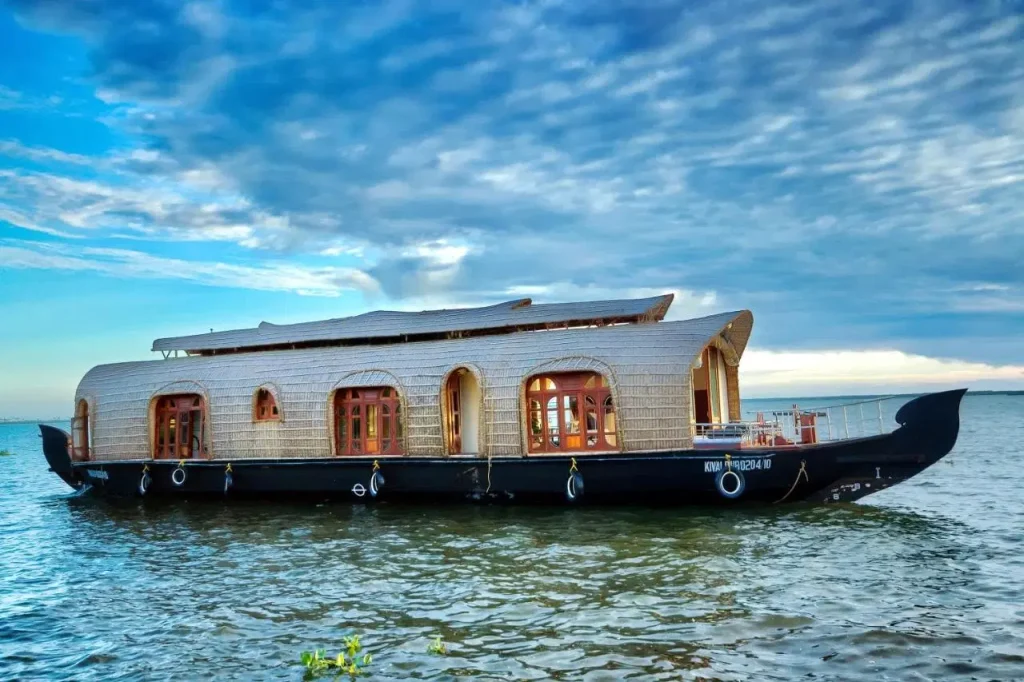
{"x":863,"y":371}
{"x":842,"y":169}
{"x":13,"y":148}
{"x":123,"y":263}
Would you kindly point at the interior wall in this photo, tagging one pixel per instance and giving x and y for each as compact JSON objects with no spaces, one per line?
{"x":472,"y":402}
{"x":700,"y":409}
{"x":723,"y":388}
{"x":700,"y":376}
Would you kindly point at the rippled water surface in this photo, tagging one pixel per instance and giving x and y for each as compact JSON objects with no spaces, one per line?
{"x":923,"y":581}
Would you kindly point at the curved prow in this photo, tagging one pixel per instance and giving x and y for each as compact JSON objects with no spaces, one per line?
{"x":55,"y":448}
{"x":933,"y":420}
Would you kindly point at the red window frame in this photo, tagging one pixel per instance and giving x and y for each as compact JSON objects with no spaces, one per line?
{"x":570,"y":412}
{"x":368,"y":421}
{"x":265,"y":407}
{"x":179,"y":428}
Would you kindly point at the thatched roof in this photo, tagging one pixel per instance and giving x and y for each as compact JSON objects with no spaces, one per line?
{"x":388,"y":326}
{"x":648,"y":367}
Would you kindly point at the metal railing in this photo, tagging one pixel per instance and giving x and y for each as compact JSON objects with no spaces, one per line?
{"x":802,"y":426}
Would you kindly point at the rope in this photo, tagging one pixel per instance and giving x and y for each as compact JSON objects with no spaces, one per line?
{"x":802,"y":472}
{"x":573,"y":468}
{"x":228,"y":469}
{"x":728,"y":462}
{"x":488,"y":475}
{"x":181,"y":464}
{"x":376,"y":466}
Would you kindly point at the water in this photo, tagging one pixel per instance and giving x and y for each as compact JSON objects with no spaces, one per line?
{"x":921,"y":582}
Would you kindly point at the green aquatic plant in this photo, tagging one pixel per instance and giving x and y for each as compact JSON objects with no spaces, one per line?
{"x":5,"y":453}
{"x":347,"y":662}
{"x":437,"y":647}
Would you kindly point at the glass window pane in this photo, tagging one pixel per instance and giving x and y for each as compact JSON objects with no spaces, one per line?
{"x":534,"y":385}
{"x":371,"y":421}
{"x":553,"y":413}
{"x":571,"y":413}
{"x":536,"y":421}
{"x":549,"y":384}
{"x":554,"y":439}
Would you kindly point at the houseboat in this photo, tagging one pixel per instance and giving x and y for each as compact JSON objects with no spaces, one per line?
{"x":573,"y":403}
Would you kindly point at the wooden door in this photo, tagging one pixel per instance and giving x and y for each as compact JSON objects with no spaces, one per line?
{"x":453,"y":405}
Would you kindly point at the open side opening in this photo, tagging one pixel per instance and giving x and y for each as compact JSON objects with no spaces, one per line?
{"x":81,"y":443}
{"x":462,"y":403}
{"x":368,"y":421}
{"x":180,"y":427}
{"x":570,"y":412}
{"x":710,"y":389}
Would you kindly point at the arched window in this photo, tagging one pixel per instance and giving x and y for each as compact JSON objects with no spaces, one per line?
{"x":265,"y":407}
{"x":180,"y":427}
{"x":570,"y":412}
{"x":368,"y":421}
{"x":81,"y":443}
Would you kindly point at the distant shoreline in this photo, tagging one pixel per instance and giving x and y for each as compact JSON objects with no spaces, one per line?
{"x":797,"y":399}
{"x":869,"y":396}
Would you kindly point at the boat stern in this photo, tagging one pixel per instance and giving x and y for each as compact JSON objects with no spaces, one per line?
{"x":55,"y":449}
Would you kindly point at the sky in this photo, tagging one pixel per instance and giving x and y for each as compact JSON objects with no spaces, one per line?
{"x":853,"y":173}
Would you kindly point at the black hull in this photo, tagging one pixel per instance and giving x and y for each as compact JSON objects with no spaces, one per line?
{"x":831,"y":472}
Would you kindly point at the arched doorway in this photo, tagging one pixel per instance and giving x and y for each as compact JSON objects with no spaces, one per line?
{"x":80,"y":445}
{"x":368,"y":421}
{"x":462,"y":402}
{"x":710,"y":389}
{"x":179,"y":427}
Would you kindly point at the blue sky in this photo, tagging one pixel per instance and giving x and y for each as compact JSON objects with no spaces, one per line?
{"x":851,"y":172}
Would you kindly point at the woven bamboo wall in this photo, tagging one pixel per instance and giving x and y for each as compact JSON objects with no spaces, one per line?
{"x":647,"y":365}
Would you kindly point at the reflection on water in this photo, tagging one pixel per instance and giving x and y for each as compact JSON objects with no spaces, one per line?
{"x":921,"y":582}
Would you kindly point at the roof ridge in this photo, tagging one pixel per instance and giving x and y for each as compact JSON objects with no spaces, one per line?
{"x":503,"y":317}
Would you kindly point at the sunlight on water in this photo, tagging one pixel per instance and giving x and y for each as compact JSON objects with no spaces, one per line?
{"x":923,"y":581}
